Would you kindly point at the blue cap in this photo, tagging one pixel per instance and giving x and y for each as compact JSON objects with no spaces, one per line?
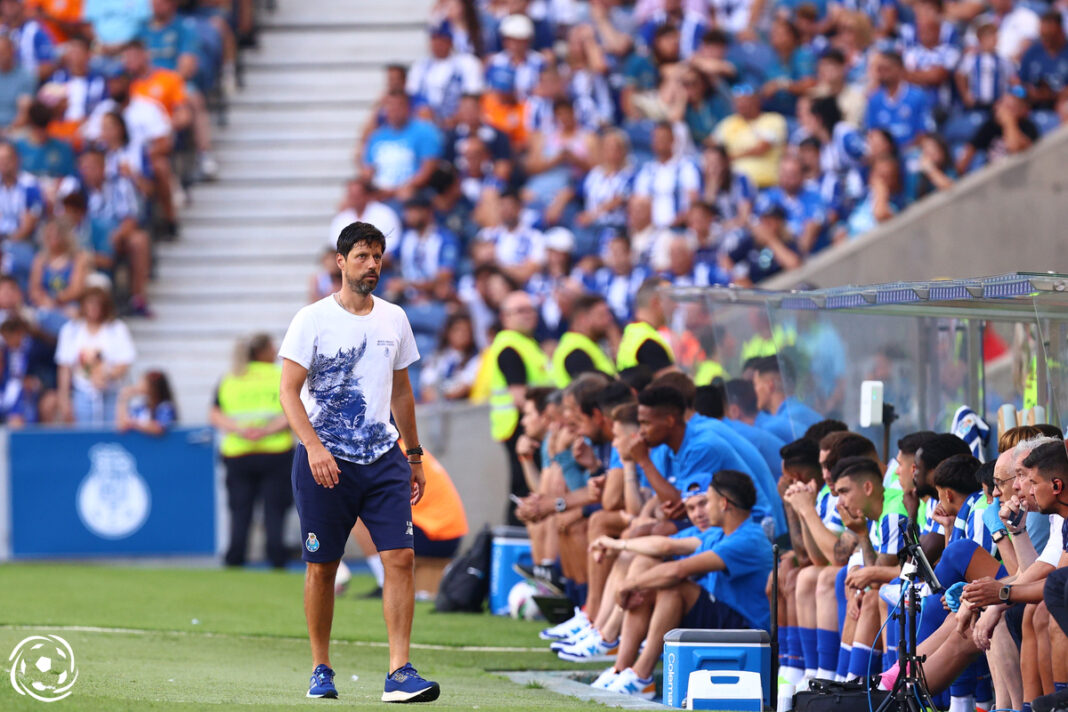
{"x":698,"y":485}
{"x":743,"y":90}
{"x":501,"y":77}
{"x":1019,"y":92}
{"x":441,"y":29}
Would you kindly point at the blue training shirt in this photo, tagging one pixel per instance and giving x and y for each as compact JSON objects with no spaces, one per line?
{"x":746,"y":553}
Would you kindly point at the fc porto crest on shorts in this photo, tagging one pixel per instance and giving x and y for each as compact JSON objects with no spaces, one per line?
{"x":312,"y":543}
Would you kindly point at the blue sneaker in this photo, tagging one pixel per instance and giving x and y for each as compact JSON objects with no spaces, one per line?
{"x":405,"y":685}
{"x":322,"y":683}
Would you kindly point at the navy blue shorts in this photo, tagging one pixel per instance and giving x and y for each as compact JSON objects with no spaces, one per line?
{"x":713,"y":615}
{"x":379,"y":494}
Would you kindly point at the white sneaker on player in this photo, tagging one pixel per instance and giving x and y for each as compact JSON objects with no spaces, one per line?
{"x":590,"y":649}
{"x":605,"y":679}
{"x":573,"y":626}
{"x":557,"y":645}
{"x":628,"y":683}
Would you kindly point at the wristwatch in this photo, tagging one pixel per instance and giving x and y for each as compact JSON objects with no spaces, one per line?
{"x":417,"y":450}
{"x":999,"y":535}
{"x":1004,"y":593}
{"x":561,"y":504}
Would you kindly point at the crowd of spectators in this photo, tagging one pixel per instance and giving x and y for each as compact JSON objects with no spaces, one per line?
{"x":105,"y":118}
{"x":566,"y":147}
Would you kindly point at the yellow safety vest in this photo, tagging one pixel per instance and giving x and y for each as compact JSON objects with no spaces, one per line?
{"x":634,"y":335}
{"x":708,"y":371}
{"x":570,"y":342}
{"x":504,"y":415}
{"x":758,"y":346}
{"x":252,"y":400}
{"x":1030,"y":397}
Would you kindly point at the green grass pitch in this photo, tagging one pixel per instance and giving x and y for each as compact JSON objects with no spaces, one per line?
{"x":137,"y":646}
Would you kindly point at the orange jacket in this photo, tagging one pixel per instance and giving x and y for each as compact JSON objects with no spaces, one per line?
{"x":440,"y":513}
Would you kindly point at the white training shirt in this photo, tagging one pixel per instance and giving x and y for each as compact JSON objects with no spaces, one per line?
{"x":350,"y":361}
{"x":1054,"y":548}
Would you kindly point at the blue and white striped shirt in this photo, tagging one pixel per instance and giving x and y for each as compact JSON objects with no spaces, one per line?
{"x":515,"y":246}
{"x":668,"y":185}
{"x":919,"y":58}
{"x":599,"y":187}
{"x":439,"y":83}
{"x":527,"y":72}
{"x":989,"y":76}
{"x":827,"y":508}
{"x":969,"y":525}
{"x":17,"y":200}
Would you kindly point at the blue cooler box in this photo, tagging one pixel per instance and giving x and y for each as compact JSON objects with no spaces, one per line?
{"x":687,"y":650}
{"x":511,"y":546}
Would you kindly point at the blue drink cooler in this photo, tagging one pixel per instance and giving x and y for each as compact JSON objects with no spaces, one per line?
{"x":511,"y":546}
{"x":690,"y":650}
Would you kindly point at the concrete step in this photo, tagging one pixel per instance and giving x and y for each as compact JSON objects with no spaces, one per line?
{"x":266,"y":232}
{"x":300,"y":118}
{"x":313,"y":90}
{"x":252,"y":172}
{"x":218,"y":271}
{"x":295,"y":14}
{"x":250,"y":252}
{"x":284,"y":157}
{"x":250,"y":135}
{"x":235,"y":313}
{"x":343,"y":41}
{"x":293,"y":290}
{"x":339,"y":76}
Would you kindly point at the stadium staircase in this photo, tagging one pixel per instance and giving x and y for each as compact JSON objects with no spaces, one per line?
{"x":251,"y":240}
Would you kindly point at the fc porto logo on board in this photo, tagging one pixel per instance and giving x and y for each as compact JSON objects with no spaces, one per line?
{"x":113,"y":500}
{"x":312,"y":544}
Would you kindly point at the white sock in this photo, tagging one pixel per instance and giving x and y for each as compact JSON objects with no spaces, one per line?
{"x":792,"y":675}
{"x":809,"y":673}
{"x":786,"y":698}
{"x":984,"y":704}
{"x":374,"y":562}
{"x":826,"y":674}
{"x":962,"y":704}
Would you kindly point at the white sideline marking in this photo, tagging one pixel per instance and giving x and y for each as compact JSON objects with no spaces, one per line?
{"x":209,"y":634}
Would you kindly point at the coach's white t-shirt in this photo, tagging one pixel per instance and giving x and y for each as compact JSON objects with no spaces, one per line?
{"x":350,"y":361}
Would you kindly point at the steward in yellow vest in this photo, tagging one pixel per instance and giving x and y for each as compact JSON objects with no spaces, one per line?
{"x":642,"y":344}
{"x":578,"y":352}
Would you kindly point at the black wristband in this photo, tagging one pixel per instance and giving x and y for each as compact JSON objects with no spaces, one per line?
{"x":418,"y":450}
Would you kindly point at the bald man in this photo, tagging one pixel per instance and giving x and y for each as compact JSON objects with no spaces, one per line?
{"x":517,"y":362}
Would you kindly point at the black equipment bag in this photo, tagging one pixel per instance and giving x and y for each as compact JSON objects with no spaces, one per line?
{"x":831,"y":696}
{"x":465,"y":584}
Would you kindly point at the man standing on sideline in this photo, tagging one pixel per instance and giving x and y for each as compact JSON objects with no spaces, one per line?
{"x":344,"y":370}
{"x":515,"y":361}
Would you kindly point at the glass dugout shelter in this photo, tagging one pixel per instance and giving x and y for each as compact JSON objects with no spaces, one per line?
{"x":935,"y":345}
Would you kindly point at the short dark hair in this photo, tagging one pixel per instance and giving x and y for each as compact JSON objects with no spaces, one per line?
{"x":818,"y":431}
{"x":585,"y":388}
{"x":856,"y":467}
{"x":626,"y":413}
{"x":767,"y":364}
{"x":845,"y":445}
{"x":985,"y":475}
{"x":1048,"y":460}
{"x":1050,"y":431}
{"x":13,"y":324}
{"x":539,"y":396}
{"x":708,"y":400}
{"x":941,"y":447}
{"x":615,"y":394}
{"x":912,"y":442}
{"x":736,"y":487}
{"x":893,"y":55}
{"x":357,"y":232}
{"x":586,"y":302}
{"x":663,"y":398}
{"x":39,"y":114}
{"x":681,"y":383}
{"x":715,"y":36}
{"x":958,"y":474}
{"x":1052,"y":16}
{"x":740,"y":392}
{"x":834,"y":55}
{"x":802,"y":453}
{"x":637,"y":377}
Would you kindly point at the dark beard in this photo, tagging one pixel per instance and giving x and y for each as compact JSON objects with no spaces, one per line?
{"x":362,"y":287}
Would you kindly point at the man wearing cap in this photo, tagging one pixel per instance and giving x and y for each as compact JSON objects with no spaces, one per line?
{"x":753,"y":139}
{"x":1010,"y":130}
{"x":426,"y":256}
{"x":435,"y":83}
{"x":401,"y":154}
{"x":516,"y":32}
{"x":501,"y":108}
{"x":719,"y":586}
{"x":766,"y":248}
